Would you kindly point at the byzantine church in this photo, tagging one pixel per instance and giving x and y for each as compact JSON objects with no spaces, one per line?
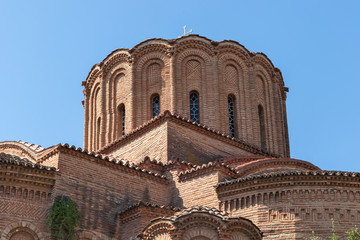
{"x":183,"y":139}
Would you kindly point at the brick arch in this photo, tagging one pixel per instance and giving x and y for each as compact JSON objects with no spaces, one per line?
{"x":200,"y":233}
{"x":239,"y":89}
{"x":266,"y":100}
{"x":239,"y":236}
{"x":242,"y":92}
{"x":114,"y":58}
{"x":92,"y":76}
{"x":163,"y":236}
{"x":237,"y":52}
{"x":192,"y":44}
{"x":117,"y":81}
{"x":118,"y":78}
{"x":25,"y":230}
{"x":89,"y":235}
{"x":151,"y":78}
{"x":261,"y":60}
{"x":94,"y":114}
{"x":243,"y":229}
{"x":263,"y":165}
{"x":142,"y":54}
{"x":146,"y":59}
{"x":186,"y":80}
{"x":25,"y":152}
{"x":159,"y":230}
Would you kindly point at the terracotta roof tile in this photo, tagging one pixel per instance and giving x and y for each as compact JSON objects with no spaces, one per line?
{"x":34,"y":147}
{"x":167,"y":115}
{"x":147,"y":204}
{"x":15,"y":160}
{"x":197,"y":209}
{"x":117,"y":161}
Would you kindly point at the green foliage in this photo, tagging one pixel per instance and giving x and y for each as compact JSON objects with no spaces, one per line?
{"x":333,"y":235}
{"x":353,"y":233}
{"x":314,"y":237}
{"x":63,"y":219}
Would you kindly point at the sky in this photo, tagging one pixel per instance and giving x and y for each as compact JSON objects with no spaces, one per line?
{"x":47,"y":48}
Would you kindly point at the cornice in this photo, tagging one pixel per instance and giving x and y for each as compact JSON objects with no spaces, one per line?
{"x":288,"y":179}
{"x":20,"y":171}
{"x":8,"y":159}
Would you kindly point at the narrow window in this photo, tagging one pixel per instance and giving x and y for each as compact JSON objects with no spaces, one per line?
{"x":231,"y":116}
{"x":262,"y":127}
{"x":194,"y":107}
{"x":155,"y":106}
{"x":121,"y":116}
{"x":98,"y":133}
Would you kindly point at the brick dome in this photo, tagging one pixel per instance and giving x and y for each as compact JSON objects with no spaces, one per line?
{"x":219,"y":84}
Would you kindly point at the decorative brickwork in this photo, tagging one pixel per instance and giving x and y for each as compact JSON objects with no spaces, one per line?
{"x":174,"y":69}
{"x":172,"y":126}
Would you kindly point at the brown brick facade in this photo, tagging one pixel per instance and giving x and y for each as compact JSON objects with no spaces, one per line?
{"x":174,"y":69}
{"x":172,"y":177}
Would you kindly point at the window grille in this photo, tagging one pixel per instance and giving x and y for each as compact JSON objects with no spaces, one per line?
{"x":156,"y":106}
{"x":231,"y":116}
{"x":194,"y":107}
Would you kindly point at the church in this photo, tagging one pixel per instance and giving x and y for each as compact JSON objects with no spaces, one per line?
{"x":184,"y":139}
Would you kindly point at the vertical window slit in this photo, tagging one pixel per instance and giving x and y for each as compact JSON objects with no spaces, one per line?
{"x":194,"y":107}
{"x":231,"y":116}
{"x":262,"y":127}
{"x":156,"y":106}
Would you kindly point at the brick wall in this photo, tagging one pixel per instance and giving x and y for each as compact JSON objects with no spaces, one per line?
{"x":290,"y":209}
{"x":199,"y":190}
{"x":134,"y":221}
{"x":25,"y":199}
{"x":101,"y":191}
{"x":198,"y":148}
{"x":152,"y":143}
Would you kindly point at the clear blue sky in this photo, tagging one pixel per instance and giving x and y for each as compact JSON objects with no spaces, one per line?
{"x":47,"y":48}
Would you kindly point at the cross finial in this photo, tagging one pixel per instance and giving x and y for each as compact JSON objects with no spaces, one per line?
{"x":185,"y":33}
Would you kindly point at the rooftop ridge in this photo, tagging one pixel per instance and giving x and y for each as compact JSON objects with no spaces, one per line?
{"x":148,"y":204}
{"x":116,"y":161}
{"x":16,"y":160}
{"x":168,"y":115}
{"x":207,"y":166}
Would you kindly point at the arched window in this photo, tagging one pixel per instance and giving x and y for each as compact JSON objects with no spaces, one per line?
{"x":194,"y":107}
{"x":231,"y":109}
{"x":155,"y":105}
{"x":121,"y":117}
{"x":262,"y":127}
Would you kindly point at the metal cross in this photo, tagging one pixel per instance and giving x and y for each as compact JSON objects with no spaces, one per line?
{"x":185,"y":33}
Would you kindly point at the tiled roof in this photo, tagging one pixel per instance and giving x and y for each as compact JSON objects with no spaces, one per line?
{"x":15,"y":160}
{"x":198,"y":209}
{"x":290,"y":173}
{"x":34,"y":147}
{"x":147,"y":204}
{"x":167,"y":115}
{"x":217,"y":163}
{"x":117,"y":161}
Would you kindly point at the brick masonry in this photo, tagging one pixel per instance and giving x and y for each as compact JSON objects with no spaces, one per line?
{"x":171,"y":178}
